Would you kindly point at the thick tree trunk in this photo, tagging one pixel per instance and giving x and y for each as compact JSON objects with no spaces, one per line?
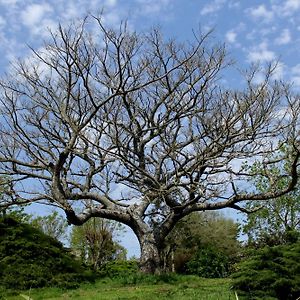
{"x":150,"y":262}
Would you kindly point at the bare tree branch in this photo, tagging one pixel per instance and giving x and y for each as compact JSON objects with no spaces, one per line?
{"x":137,"y":129}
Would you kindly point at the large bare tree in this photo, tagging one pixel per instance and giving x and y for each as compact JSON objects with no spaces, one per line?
{"x":138,"y":129}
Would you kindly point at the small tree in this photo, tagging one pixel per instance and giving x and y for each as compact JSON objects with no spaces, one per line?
{"x":116,"y":110}
{"x":276,"y":221}
{"x":93,"y":241}
{"x":53,"y":225}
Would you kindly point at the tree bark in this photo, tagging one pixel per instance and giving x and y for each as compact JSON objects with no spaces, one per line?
{"x":150,"y":261}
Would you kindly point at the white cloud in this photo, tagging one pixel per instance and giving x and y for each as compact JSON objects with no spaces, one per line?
{"x":258,"y":78}
{"x":13,"y":48}
{"x":112,"y":18}
{"x":296,"y":70}
{"x":111,"y":3}
{"x":2,"y":22}
{"x":231,"y":36}
{"x":9,"y":2}
{"x":295,"y":75}
{"x":261,"y":53}
{"x":284,"y":38}
{"x":296,"y":81}
{"x":234,"y":4}
{"x":279,"y":71}
{"x":153,"y":6}
{"x":70,"y":11}
{"x":260,"y":12}
{"x":34,"y":14}
{"x":212,"y":7}
{"x":34,"y":64}
{"x":289,"y":7}
{"x":292,"y":5}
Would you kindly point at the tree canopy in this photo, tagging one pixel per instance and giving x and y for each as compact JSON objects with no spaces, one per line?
{"x":135,"y":128}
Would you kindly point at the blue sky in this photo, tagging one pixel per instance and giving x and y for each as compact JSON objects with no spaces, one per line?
{"x":254,"y":31}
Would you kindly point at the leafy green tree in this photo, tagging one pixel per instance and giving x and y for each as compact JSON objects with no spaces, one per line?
{"x":94,"y":243}
{"x":203,"y":243}
{"x":271,"y":271}
{"x":275,"y":221}
{"x":209,"y":262}
{"x":54,"y":225}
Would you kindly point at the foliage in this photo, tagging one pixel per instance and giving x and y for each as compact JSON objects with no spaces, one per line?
{"x":93,"y":242}
{"x":29,"y":258}
{"x":275,"y":221}
{"x":209,"y":262}
{"x":270,"y":272}
{"x":54,"y":225}
{"x":6,"y":191}
{"x":5,"y":185}
{"x":119,"y":268}
{"x":17,"y":213}
{"x":204,"y":244}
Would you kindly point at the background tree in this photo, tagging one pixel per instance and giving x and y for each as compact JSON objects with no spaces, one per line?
{"x":130,"y":127}
{"x":54,"y":225}
{"x":275,"y":221}
{"x":16,"y":213}
{"x":4,"y":194}
{"x":270,"y":267}
{"x":203,"y":243}
{"x":94,"y":243}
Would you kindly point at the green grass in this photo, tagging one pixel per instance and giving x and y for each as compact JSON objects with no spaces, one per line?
{"x":182,"y":287}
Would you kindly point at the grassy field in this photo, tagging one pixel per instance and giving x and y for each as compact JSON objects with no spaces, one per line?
{"x":184,"y":287}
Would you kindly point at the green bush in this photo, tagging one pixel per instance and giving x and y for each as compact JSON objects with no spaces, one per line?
{"x":270,"y":272}
{"x":127,"y":273}
{"x":30,"y":259}
{"x":209,"y":263}
{"x":118,"y":268}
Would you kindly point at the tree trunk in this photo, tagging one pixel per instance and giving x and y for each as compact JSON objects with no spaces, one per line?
{"x":150,"y":261}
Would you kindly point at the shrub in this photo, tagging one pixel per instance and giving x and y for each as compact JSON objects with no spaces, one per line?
{"x":270,"y":272}
{"x":209,"y":263}
{"x":119,"y":268}
{"x":29,"y":258}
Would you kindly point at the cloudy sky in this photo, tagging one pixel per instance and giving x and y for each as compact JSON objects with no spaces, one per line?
{"x":254,"y":31}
